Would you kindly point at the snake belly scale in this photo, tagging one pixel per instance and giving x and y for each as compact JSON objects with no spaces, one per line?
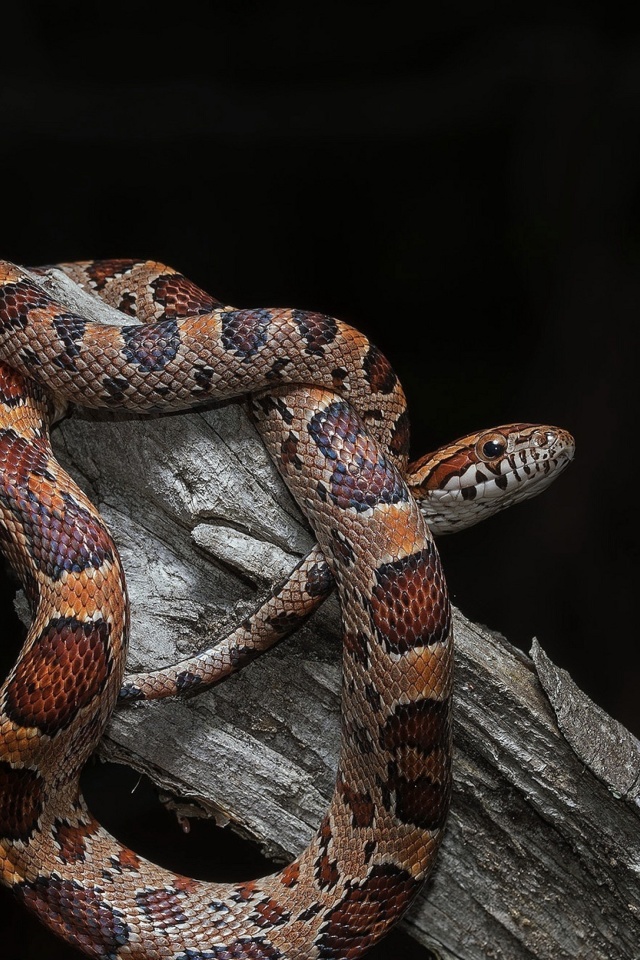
{"x":333,"y":417}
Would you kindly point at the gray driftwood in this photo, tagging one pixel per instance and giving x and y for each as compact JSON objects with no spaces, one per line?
{"x":542,"y":853}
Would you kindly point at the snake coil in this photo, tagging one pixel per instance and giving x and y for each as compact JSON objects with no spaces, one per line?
{"x":333,"y":416}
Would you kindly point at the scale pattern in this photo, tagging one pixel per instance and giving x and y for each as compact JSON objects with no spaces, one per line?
{"x":333,"y":417}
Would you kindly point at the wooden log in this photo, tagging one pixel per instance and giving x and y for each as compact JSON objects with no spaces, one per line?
{"x":542,"y":853}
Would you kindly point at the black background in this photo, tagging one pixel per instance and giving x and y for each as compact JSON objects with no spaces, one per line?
{"x":463,"y":188}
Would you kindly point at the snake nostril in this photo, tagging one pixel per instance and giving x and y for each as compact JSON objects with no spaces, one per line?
{"x":544,"y":438}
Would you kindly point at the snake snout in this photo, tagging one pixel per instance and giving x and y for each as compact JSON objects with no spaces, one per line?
{"x":557,"y":442}
{"x":563,"y":445}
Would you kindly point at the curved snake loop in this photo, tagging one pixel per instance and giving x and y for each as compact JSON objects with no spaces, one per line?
{"x":333,"y":417}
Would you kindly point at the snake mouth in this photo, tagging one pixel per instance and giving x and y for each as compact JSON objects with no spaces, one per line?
{"x":528,"y":482}
{"x":567,"y":450}
{"x":527,"y":477}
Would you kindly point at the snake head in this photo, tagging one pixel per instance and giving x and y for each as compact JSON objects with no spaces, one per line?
{"x":487,"y":471}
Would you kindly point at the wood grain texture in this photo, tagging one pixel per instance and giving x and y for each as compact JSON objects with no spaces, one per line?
{"x":540,"y":858}
{"x":542,"y":854}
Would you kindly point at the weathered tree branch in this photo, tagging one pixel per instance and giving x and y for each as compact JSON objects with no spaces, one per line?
{"x":542,"y":854}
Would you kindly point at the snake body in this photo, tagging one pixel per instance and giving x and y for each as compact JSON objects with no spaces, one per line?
{"x":333,"y":417}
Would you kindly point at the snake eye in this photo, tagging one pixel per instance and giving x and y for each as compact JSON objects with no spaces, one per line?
{"x":491,"y":446}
